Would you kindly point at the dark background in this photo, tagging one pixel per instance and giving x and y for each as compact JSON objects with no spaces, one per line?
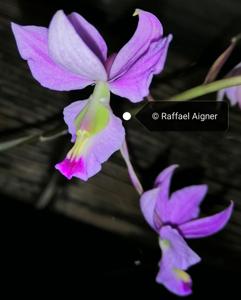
{"x":90,"y":237}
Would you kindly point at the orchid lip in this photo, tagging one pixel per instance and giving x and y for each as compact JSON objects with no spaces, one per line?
{"x":69,"y":168}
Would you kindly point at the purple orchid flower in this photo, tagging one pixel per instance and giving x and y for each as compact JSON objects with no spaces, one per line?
{"x":174,"y":217}
{"x":232,"y":93}
{"x":71,"y":54}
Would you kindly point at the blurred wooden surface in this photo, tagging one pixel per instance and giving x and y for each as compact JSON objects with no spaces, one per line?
{"x":201,"y":31}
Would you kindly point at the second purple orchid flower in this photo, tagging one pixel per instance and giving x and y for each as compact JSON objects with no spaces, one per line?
{"x":71,"y":54}
{"x":232,"y":93}
{"x":175,"y":218}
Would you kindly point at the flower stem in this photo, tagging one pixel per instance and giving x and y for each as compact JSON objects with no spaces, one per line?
{"x":207,"y":88}
{"x":134,"y":179}
{"x":43,"y":137}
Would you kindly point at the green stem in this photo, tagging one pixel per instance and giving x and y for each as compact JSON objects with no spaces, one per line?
{"x":132,"y":174}
{"x":101,"y":91}
{"x":43,"y":137}
{"x":207,"y":88}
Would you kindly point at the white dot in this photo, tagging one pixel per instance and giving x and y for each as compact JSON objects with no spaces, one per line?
{"x":126,"y":116}
{"x":137,"y":262}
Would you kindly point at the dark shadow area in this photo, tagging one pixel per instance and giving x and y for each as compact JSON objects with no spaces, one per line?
{"x":42,"y":252}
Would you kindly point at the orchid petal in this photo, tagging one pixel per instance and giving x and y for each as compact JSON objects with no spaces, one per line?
{"x":89,"y":35}
{"x":32,"y":42}
{"x":154,"y":203}
{"x":149,"y":30}
{"x":206,"y":226}
{"x":68,"y":49}
{"x":184,"y":204}
{"x":142,"y":57}
{"x":148,"y":203}
{"x":232,"y":93}
{"x":166,"y":176}
{"x":163,"y":182}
